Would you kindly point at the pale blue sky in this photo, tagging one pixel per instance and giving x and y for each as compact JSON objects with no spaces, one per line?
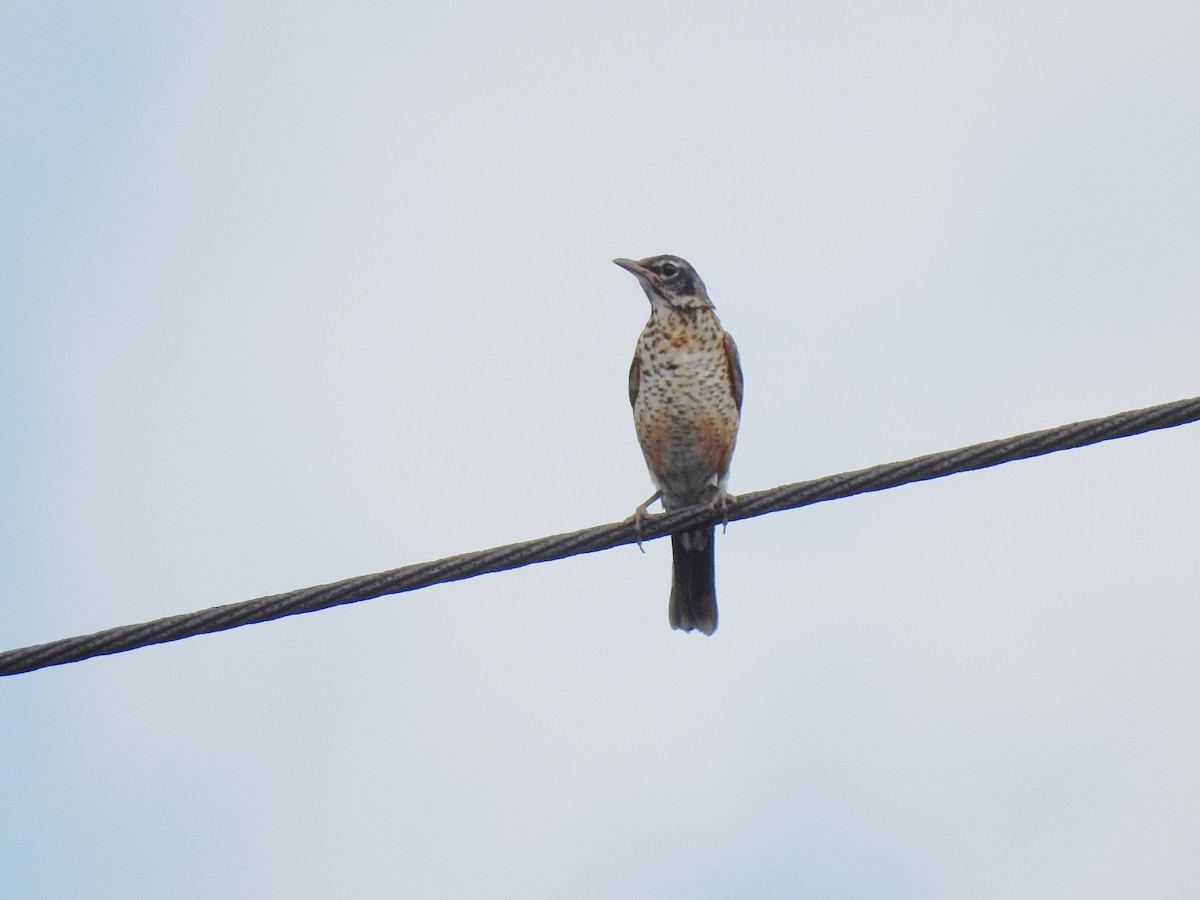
{"x":289,"y":294}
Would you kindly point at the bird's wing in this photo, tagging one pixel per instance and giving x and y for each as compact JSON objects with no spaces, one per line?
{"x":733,"y":361}
{"x":635,"y":379}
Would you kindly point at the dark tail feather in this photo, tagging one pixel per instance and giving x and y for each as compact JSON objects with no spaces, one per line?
{"x":693,"y":582}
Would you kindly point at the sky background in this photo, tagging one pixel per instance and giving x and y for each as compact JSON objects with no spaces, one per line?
{"x":294,"y":292}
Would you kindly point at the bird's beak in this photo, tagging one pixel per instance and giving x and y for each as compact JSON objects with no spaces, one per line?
{"x":635,"y":267}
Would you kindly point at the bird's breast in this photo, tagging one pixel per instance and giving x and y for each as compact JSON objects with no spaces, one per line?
{"x":685,"y":412}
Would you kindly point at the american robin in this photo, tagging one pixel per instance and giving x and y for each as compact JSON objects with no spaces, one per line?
{"x":685,"y":386}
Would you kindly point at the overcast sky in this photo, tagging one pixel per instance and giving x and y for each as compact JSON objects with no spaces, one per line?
{"x":294,"y":292}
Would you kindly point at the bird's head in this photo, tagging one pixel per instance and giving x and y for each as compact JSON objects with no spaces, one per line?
{"x":669,"y":282}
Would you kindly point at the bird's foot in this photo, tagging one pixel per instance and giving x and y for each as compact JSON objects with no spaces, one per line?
{"x":724,"y":500}
{"x":639,"y":515}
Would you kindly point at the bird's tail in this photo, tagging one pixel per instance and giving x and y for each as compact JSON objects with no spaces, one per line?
{"x":693,"y":581}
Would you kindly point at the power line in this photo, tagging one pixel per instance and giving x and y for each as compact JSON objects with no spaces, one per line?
{"x":602,"y":537}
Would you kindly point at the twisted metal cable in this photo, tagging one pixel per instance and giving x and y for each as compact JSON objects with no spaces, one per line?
{"x":602,"y":537}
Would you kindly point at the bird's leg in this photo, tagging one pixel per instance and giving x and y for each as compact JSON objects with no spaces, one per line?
{"x":639,"y":514}
{"x":723,"y":500}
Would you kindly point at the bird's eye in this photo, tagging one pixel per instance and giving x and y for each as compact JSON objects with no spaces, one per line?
{"x":669,"y":270}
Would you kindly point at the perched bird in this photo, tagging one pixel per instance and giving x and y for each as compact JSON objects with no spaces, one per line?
{"x":685,"y":386}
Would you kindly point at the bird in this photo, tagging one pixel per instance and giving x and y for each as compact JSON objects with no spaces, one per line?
{"x":685,"y":387}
